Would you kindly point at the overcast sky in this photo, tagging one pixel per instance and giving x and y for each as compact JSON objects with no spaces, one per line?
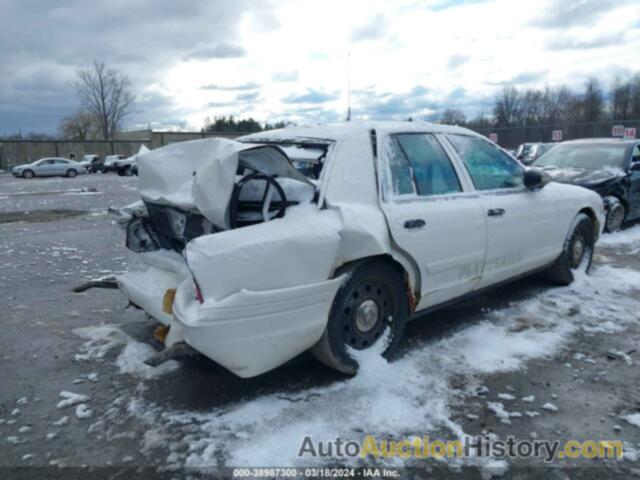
{"x":287,"y":60}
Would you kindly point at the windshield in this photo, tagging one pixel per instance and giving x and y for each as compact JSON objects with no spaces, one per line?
{"x":588,"y":155}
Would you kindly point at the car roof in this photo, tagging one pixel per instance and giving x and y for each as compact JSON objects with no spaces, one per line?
{"x":623,"y":141}
{"x":340,"y":131}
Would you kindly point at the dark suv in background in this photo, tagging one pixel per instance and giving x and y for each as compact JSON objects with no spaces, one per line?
{"x":608,"y":166}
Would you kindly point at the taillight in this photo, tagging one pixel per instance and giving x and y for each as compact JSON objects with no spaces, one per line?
{"x":199,"y":296}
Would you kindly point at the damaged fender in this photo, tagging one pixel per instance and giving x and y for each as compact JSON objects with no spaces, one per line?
{"x":267,"y":290}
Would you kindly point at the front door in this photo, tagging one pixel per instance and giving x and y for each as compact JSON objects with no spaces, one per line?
{"x":634,"y":183}
{"x":433,"y":216}
{"x":522,"y":235}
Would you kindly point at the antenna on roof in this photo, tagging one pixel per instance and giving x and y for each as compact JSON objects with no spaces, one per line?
{"x":349,"y":87}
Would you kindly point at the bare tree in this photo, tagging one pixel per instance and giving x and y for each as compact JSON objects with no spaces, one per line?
{"x":506,"y":109}
{"x":452,"y":116}
{"x":620,"y":99}
{"x":592,"y":101}
{"x":80,"y":126}
{"x":106,"y":93}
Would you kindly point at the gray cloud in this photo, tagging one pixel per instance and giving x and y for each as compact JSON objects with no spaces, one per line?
{"x":521,"y":79}
{"x":374,"y":28}
{"x":566,"y":14}
{"x":457,"y":60}
{"x":291,"y":76}
{"x":232,"y":88}
{"x":42,"y":46}
{"x":248,"y":97}
{"x":221,"y":50}
{"x":573,"y":43}
{"x":311,"y":96}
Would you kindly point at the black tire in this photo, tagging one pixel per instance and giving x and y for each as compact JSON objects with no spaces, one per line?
{"x":578,"y":249}
{"x":71,"y":173}
{"x":374,"y":293}
{"x":128,"y":172}
{"x":28,"y":173}
{"x":616,"y":214}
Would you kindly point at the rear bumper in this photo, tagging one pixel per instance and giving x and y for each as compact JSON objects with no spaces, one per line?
{"x":146,"y":287}
{"x":249,"y":332}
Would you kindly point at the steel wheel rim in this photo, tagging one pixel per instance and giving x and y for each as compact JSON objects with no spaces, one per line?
{"x":367,"y":310}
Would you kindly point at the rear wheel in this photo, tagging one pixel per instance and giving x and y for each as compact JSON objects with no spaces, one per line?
{"x":28,"y":174}
{"x":128,"y":172}
{"x":615,"y":215}
{"x":577,"y":252}
{"x":71,"y":173}
{"x":372,"y":301}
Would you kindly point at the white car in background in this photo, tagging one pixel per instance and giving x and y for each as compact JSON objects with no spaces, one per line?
{"x":49,"y":167}
{"x":129,"y":166}
{"x":109,"y":162}
{"x":250,"y":262}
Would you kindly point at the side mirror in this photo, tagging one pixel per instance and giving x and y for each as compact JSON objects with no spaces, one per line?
{"x":534,"y":179}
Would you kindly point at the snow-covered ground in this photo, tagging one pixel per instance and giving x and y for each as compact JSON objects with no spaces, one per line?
{"x":401,"y":399}
{"x":77,"y":390}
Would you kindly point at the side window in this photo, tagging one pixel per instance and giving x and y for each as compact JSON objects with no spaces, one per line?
{"x":420,"y":165}
{"x":488,"y":166}
{"x":61,"y":162}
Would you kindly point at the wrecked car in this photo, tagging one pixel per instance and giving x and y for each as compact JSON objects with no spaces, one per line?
{"x":610,"y":167}
{"x":331,"y":238}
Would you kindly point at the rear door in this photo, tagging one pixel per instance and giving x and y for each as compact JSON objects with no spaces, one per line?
{"x":45,"y":167}
{"x":60,"y":167}
{"x":433,"y":216}
{"x":522,"y":234}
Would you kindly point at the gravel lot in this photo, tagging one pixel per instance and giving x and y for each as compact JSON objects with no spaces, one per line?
{"x":478,"y":367}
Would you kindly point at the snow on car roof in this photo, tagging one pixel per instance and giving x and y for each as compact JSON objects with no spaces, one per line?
{"x":339,"y":131}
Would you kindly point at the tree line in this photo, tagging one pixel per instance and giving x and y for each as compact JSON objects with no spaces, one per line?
{"x":513,"y":107}
{"x":245,"y":125}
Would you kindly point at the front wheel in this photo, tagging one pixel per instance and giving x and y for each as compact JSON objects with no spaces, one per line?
{"x":577,"y":252}
{"x":615,"y":216}
{"x":28,"y":174}
{"x":371,"y":306}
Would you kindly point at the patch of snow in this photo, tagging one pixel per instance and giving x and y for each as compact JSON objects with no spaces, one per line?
{"x":633,"y":419}
{"x":506,"y":396}
{"x":532,"y":414}
{"x":22,"y":401}
{"x":24,"y":429}
{"x":15,"y":440}
{"x":27,"y":456}
{"x":498,"y":409}
{"x":15,"y":411}
{"x":529,"y":398}
{"x":70,"y":398}
{"x":102,"y":339}
{"x":51,"y":435}
{"x":82,"y":411}
{"x":627,"y":237}
{"x":550,"y":407}
{"x":63,"y":421}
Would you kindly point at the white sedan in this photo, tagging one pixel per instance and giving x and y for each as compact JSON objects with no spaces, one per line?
{"x":49,"y":167}
{"x":331,"y":238}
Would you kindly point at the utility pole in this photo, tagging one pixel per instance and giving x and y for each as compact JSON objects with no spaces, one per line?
{"x":349,"y":87}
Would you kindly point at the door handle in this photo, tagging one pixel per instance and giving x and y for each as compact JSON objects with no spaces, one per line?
{"x":415,"y":223}
{"x":495,"y":212}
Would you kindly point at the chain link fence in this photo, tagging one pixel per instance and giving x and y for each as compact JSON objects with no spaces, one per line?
{"x":512,"y":137}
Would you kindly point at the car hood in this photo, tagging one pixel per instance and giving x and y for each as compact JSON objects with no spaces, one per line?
{"x":200,"y":174}
{"x":582,"y":176}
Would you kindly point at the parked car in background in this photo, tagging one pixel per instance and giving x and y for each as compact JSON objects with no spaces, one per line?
{"x":251,"y":261}
{"x":48,"y":167}
{"x":528,"y":152}
{"x":609,"y":167}
{"x":91,"y":162}
{"x":109,"y":163}
{"x":129,"y":166}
